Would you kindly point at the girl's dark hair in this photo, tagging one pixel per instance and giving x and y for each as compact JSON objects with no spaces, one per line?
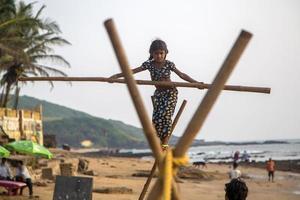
{"x":157,"y":45}
{"x":236,"y":189}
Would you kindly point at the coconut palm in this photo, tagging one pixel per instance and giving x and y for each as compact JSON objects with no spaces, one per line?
{"x":26,"y":46}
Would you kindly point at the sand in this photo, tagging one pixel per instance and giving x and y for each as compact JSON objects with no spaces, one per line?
{"x":117,"y":172}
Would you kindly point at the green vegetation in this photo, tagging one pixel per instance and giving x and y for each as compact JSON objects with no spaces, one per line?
{"x":26,"y":46}
{"x":71,"y":126}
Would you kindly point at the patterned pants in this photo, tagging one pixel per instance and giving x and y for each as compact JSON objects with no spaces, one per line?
{"x":164,"y":103}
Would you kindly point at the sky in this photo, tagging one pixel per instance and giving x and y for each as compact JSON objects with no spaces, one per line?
{"x":199,"y":35}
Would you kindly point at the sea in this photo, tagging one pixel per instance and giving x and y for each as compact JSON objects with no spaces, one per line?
{"x":224,"y":153}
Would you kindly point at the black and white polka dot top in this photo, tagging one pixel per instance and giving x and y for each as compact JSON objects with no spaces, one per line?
{"x":156,"y":73}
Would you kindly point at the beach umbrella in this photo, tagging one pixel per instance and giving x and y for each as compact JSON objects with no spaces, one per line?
{"x":4,"y":152}
{"x":29,"y":147}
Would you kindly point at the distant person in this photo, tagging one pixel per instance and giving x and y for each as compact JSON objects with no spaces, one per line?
{"x":246,"y":156}
{"x":236,"y":189}
{"x":234,"y":172}
{"x":236,"y":156}
{"x":5,"y":173}
{"x":271,"y":169}
{"x":23,"y":175}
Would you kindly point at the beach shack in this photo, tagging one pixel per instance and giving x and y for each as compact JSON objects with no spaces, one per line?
{"x":21,"y":125}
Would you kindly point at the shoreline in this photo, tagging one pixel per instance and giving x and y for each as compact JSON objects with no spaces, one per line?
{"x":281,"y":165}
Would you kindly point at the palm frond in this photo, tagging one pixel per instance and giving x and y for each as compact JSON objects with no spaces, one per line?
{"x":52,"y":58}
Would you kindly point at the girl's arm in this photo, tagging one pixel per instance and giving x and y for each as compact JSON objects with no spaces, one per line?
{"x":134,"y":71}
{"x":185,"y":76}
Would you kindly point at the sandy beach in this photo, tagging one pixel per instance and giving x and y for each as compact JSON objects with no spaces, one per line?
{"x":118,"y":172}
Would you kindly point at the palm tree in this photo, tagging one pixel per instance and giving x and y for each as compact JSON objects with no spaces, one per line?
{"x":26,"y":44}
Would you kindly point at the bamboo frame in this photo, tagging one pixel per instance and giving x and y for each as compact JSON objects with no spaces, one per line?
{"x":201,"y":113}
{"x":146,"y":82}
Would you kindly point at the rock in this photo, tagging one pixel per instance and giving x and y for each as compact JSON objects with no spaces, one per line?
{"x":83,"y":165}
{"x":143,"y":173}
{"x":113,"y":190}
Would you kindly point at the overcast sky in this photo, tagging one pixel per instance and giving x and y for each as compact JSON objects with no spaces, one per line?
{"x":199,"y":35}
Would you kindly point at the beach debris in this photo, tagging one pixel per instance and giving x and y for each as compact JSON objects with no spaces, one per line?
{"x":83,"y":165}
{"x":67,"y":169}
{"x":47,"y":173}
{"x":113,"y":190}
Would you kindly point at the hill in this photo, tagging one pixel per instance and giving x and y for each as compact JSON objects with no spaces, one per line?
{"x":72,"y":126}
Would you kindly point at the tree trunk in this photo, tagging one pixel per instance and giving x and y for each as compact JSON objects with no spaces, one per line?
{"x":6,"y":98}
{"x":16,"y":103}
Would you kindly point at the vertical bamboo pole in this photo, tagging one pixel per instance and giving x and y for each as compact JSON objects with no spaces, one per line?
{"x":133,"y":90}
{"x":146,"y":186}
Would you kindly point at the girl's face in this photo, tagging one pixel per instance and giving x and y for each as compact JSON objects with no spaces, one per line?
{"x":159,"y":56}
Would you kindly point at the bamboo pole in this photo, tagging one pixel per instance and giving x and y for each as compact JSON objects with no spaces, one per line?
{"x":133,"y":90}
{"x":146,"y":186}
{"x":146,"y":82}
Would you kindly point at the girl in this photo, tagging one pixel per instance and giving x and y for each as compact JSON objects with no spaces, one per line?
{"x":164,"y":98}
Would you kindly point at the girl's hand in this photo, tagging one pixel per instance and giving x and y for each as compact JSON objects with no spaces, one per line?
{"x":112,"y":77}
{"x":200,"y":87}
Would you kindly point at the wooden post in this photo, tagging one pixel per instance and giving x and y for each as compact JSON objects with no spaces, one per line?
{"x":146,"y":186}
{"x":132,"y":87}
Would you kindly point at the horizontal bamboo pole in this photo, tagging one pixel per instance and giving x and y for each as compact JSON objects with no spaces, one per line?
{"x":145,"y":82}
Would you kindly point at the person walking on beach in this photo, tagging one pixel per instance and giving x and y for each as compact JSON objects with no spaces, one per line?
{"x":236,"y":189}
{"x":236,"y":156}
{"x":234,"y":172}
{"x":165,"y":97}
{"x":271,"y":169}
